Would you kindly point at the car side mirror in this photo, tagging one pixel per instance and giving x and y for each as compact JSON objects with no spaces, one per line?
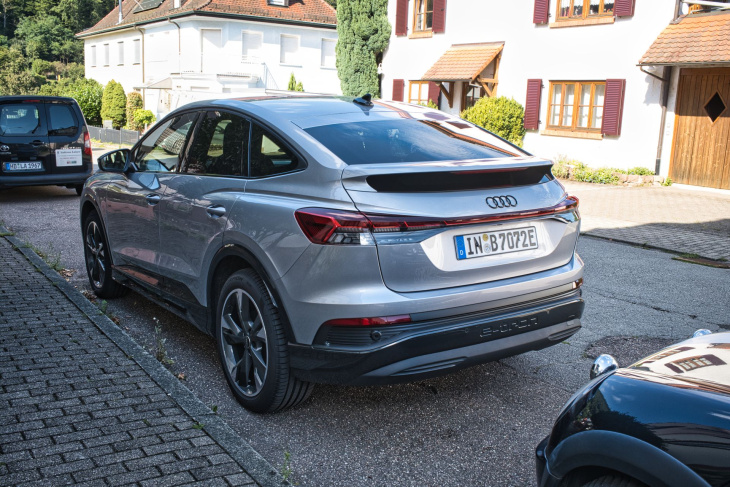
{"x":115,"y":161}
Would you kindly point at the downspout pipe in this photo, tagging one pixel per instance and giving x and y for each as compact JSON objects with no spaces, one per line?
{"x":144,"y":98}
{"x":667,"y":74}
{"x":179,"y":47}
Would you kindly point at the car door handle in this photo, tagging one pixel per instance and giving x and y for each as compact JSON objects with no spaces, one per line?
{"x":37,"y":143}
{"x":153,"y":199}
{"x":216,"y":211}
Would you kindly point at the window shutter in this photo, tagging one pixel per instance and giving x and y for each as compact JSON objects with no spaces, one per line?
{"x":532,"y":104}
{"x":439,"y":16}
{"x":613,"y":106}
{"x":540,"y":15}
{"x":398,"y":85}
{"x":433,"y":92}
{"x":624,"y":8}
{"x":401,"y":18}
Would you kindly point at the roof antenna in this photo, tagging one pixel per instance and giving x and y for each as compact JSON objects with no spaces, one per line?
{"x":364,"y":100}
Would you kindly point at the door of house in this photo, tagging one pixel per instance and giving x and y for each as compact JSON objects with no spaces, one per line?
{"x":701,"y":152}
{"x":211,"y":50}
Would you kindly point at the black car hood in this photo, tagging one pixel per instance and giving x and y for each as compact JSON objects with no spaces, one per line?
{"x":699,"y":363}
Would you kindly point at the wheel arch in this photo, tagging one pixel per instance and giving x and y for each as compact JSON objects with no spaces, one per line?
{"x":232,"y":258}
{"x":607,"y":451}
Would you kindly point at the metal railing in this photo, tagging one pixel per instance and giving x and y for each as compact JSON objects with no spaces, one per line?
{"x":114,"y":136}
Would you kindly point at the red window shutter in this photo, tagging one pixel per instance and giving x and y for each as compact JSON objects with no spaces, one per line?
{"x":613,"y":106}
{"x":540,"y":15}
{"x":439,"y":16}
{"x":532,"y":104}
{"x":398,"y":85}
{"x":433,"y":92}
{"x":624,"y":8}
{"x":401,"y":18}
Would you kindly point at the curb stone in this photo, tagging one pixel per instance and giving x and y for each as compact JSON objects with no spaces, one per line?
{"x":252,"y":462}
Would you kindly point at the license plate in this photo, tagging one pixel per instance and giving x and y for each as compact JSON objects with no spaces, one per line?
{"x":68,"y":157}
{"x":23,"y":166}
{"x":495,"y":243}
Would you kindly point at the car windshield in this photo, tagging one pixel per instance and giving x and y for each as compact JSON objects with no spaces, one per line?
{"x":408,"y":140}
{"x":19,"y":119}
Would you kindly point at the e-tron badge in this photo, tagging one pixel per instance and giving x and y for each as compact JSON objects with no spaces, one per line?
{"x":507,"y":201}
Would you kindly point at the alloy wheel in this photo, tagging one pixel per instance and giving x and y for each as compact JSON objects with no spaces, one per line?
{"x":95,"y":254}
{"x":243,"y":339}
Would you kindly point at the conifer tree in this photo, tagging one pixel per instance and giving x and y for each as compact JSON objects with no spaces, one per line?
{"x":363,"y":32}
{"x":114,"y":104}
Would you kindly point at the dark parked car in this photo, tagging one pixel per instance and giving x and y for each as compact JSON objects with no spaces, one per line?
{"x":43,"y":141}
{"x":326,"y":239}
{"x":664,"y":421}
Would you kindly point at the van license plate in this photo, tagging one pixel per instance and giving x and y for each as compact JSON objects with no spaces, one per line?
{"x":495,"y":243}
{"x":23,"y":166}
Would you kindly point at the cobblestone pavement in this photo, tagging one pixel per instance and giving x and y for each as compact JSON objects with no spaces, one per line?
{"x":82,"y":406}
{"x":679,"y":219}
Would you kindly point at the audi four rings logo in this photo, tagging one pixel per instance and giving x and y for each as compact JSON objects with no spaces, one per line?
{"x":507,"y":201}
{"x":4,"y":148}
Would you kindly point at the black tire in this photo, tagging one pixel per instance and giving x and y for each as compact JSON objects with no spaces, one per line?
{"x":98,"y":260}
{"x":252,"y":347}
{"x":614,"y":481}
{"x":79,"y":188}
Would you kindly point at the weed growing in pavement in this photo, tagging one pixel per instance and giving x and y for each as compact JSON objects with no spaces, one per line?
{"x":285,"y":469}
{"x":160,"y":350}
{"x":667,"y":182}
{"x":50,"y":256}
{"x":690,"y":256}
{"x":103,"y":306}
{"x":198,"y":426}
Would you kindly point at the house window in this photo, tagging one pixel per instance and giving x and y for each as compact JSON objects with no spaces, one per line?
{"x":472,"y":95}
{"x":289,"y":49}
{"x":582,"y":9}
{"x":120,"y":53}
{"x":423,"y":15}
{"x":576,"y":105}
{"x":251,"y":46}
{"x":137,"y":51}
{"x":328,"y":53}
{"x":106,"y":54}
{"x":418,"y":92}
{"x":92,"y":56}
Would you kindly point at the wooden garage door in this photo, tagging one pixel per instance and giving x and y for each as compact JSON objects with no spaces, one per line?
{"x":701,"y":151}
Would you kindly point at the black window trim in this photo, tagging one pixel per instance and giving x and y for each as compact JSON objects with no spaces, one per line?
{"x":186,"y":144}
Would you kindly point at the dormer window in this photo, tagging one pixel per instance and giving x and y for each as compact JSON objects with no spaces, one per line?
{"x":280,"y":3}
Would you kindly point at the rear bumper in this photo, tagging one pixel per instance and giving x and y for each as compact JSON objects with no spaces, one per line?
{"x":430,"y":348}
{"x":44,"y":179}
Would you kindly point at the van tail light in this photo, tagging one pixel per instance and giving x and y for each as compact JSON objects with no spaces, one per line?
{"x":87,"y":144}
{"x":337,"y":227}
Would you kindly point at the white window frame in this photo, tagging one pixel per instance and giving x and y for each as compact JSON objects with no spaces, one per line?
{"x":106,"y":54}
{"x":137,"y":51}
{"x":120,"y":53}
{"x":92,"y":56}
{"x":322,"y":63}
{"x":283,"y":60}
{"x":258,"y":52}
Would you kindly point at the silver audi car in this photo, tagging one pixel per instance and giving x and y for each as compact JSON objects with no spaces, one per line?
{"x":326,"y":239}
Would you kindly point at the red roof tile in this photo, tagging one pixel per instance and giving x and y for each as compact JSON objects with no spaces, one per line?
{"x":463,"y":62}
{"x":694,"y":39}
{"x":300,"y":11}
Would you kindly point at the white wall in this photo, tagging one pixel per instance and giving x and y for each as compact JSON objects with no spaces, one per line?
{"x":129,"y":74}
{"x":593,"y":52}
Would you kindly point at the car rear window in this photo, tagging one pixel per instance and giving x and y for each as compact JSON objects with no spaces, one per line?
{"x":20,"y":119}
{"x":406,"y":140}
{"x":61,"y":119}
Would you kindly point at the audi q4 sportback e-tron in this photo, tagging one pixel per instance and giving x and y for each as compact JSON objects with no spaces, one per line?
{"x":326,"y":239}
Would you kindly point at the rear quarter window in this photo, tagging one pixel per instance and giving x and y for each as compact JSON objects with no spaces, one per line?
{"x":20,"y":119}
{"x":62,"y":119}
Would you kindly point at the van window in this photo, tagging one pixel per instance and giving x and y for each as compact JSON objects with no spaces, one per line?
{"x":20,"y":119}
{"x":61,"y":119}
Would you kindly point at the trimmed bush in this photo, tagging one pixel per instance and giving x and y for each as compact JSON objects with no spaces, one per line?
{"x":143,"y":118}
{"x":113,"y":104}
{"x":294,"y":85}
{"x":501,"y":116}
{"x":134,"y":103}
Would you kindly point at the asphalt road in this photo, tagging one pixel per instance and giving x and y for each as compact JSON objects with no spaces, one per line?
{"x":476,"y":427}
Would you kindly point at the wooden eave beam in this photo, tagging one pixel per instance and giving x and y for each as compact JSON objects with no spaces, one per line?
{"x":448,"y":93}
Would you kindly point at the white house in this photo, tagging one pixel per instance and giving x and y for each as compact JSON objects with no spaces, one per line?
{"x":573,"y":64}
{"x":175,"y":51}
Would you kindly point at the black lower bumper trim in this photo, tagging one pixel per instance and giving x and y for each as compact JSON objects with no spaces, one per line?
{"x":445,"y":346}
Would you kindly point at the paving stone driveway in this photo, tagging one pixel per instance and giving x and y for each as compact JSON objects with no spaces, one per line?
{"x":77,"y":408}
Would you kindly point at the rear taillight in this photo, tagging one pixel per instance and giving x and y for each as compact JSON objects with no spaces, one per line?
{"x":377,"y":321}
{"x":331,"y":227}
{"x":87,"y":144}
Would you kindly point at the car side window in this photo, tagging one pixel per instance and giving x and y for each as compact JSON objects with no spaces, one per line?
{"x":269,"y":156}
{"x":61,"y":119}
{"x":220,"y":146}
{"x":161,"y":150}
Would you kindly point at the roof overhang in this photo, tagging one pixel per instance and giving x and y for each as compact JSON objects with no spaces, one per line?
{"x":463,"y":62}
